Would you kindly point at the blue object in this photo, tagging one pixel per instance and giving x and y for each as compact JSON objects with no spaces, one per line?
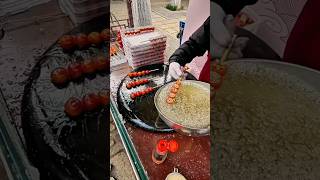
{"x":181,"y":28}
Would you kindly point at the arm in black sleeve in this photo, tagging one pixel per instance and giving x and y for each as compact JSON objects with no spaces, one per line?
{"x":197,"y":45}
{"x":233,"y":6}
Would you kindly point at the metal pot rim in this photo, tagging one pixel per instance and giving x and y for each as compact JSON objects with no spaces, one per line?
{"x":168,"y":119}
{"x":271,"y":61}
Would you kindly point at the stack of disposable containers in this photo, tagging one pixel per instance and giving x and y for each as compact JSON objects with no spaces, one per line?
{"x":143,"y":46}
{"x":81,"y":11}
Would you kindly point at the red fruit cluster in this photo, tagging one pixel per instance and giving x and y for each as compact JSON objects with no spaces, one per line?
{"x":141,"y":93}
{"x":74,"y":107}
{"x":139,"y":74}
{"x":136,"y":83}
{"x":173,"y":92}
{"x":81,"y":41}
{"x":75,"y":71}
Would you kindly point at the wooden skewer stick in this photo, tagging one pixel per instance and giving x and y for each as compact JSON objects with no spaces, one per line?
{"x":224,"y":57}
{"x":227,"y":52}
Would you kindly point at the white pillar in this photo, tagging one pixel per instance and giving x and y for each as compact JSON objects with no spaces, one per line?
{"x":141,"y":12}
{"x":176,"y":3}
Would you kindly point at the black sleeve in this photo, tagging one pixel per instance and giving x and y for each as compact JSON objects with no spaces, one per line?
{"x":233,"y":6}
{"x":197,"y":45}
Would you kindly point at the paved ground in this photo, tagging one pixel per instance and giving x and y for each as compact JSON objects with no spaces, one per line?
{"x":167,"y":22}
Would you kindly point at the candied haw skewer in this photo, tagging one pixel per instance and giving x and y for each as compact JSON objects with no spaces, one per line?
{"x":140,"y":73}
{"x":141,"y":93}
{"x":136,"y":83}
{"x":74,"y":107}
{"x":173,"y":92}
{"x":67,"y":42}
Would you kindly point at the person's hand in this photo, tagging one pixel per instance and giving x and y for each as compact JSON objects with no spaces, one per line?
{"x":223,"y":27}
{"x":175,"y":71}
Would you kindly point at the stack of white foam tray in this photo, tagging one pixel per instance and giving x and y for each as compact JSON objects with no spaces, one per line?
{"x":81,"y":11}
{"x":143,"y":46}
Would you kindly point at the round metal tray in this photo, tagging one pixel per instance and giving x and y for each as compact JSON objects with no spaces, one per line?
{"x":142,"y":112}
{"x":171,"y":122}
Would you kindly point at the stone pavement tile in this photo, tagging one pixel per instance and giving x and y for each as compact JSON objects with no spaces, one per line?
{"x":170,"y":34}
{"x":173,"y":24}
{"x":170,"y":31}
{"x":115,"y":142}
{"x":115,"y":147}
{"x":173,"y":31}
{"x":173,"y":28}
{"x":164,"y":26}
{"x":171,"y":21}
{"x":159,"y":27}
{"x":121,"y":169}
{"x":168,"y":25}
{"x":155,"y":15}
{"x":167,"y":13}
{"x":157,"y":24}
{"x":166,"y":32}
{"x":158,"y":19}
{"x":172,"y":45}
{"x":112,"y":126}
{"x":174,"y":34}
